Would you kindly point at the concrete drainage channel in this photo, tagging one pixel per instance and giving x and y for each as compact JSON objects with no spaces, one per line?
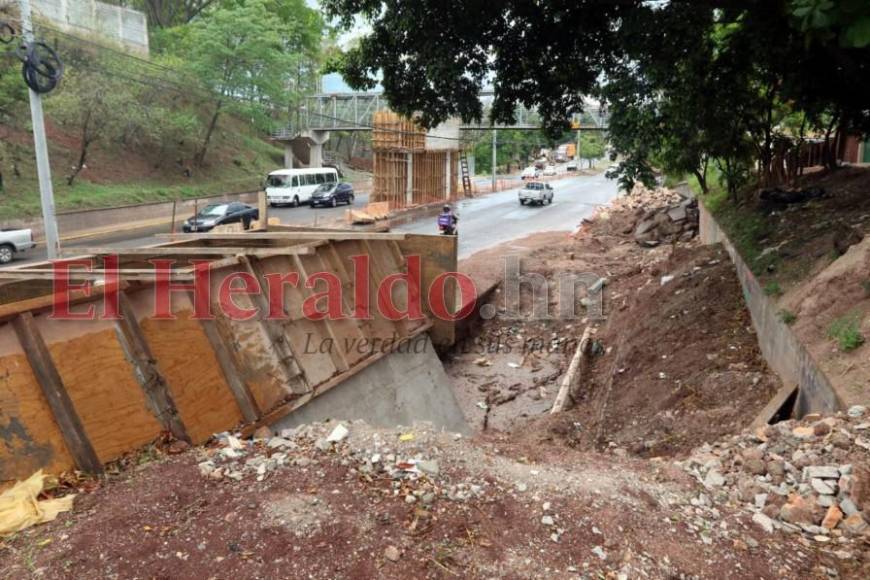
{"x":807,"y":389}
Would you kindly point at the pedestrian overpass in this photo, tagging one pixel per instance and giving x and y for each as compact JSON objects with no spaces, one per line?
{"x":323,"y":113}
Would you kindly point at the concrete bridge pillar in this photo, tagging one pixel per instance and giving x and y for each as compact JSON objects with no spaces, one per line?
{"x":316,"y":139}
{"x":288,"y":155}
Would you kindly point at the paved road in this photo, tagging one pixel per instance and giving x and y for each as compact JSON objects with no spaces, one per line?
{"x":497,"y":218}
{"x":300,"y":216}
{"x":484,"y":222}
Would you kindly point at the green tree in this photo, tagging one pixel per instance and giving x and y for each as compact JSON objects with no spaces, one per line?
{"x":591,"y":146}
{"x":93,"y":109}
{"x":686,"y":83}
{"x":237,"y":53}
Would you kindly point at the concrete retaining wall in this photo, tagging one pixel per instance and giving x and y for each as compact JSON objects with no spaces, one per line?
{"x":403,"y":388}
{"x":74,"y":223}
{"x":127,"y":27}
{"x":782,"y":350}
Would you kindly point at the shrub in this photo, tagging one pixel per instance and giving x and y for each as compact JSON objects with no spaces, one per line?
{"x":846,"y":331}
{"x":772,"y":288}
{"x":787,"y":316}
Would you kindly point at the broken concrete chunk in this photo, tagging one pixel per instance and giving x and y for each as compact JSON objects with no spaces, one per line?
{"x":714,"y":479}
{"x":821,"y":487}
{"x":338,"y":434}
{"x":429,"y":467}
{"x":764,"y":522}
{"x":821,"y":472}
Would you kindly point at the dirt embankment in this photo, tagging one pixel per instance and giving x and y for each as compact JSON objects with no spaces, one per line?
{"x":677,"y":363}
{"x":812,"y":256}
{"x":400,"y":503}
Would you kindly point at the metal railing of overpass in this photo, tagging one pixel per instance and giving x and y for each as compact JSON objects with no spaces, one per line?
{"x":355,"y":112}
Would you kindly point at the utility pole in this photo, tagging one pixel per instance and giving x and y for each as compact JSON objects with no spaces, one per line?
{"x":43,"y":169}
{"x":494,"y":149}
{"x":577,"y":153}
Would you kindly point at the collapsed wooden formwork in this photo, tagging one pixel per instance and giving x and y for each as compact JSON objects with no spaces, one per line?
{"x":399,"y":151}
{"x":80,"y":393}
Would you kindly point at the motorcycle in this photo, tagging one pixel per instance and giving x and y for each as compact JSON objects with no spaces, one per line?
{"x":447,"y":224}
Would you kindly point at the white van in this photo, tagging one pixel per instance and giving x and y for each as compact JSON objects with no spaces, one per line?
{"x":295,"y":186}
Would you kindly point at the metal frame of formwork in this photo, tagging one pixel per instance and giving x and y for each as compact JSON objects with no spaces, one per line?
{"x":407,"y":173}
{"x":80,"y":393}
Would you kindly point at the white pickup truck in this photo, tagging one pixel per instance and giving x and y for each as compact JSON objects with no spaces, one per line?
{"x":536,"y":192}
{"x":13,"y":242}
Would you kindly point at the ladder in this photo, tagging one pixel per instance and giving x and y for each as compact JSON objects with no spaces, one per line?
{"x":466,"y":177}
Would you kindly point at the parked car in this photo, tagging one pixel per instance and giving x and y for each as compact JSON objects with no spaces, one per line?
{"x":550,"y":170}
{"x":572,"y":166}
{"x":218,"y":214}
{"x":530,"y":173}
{"x":13,"y":242}
{"x":332,"y":194}
{"x":536,"y":192}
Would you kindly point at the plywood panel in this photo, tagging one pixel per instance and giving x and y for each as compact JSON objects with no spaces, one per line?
{"x":304,"y":336}
{"x":379,"y":327}
{"x":201,"y":394}
{"x":438,"y":255}
{"x":29,"y":437}
{"x":101,"y":384}
{"x":259,"y":363}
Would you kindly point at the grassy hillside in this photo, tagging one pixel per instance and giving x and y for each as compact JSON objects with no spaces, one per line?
{"x":118,"y":175}
{"x":184,"y":122}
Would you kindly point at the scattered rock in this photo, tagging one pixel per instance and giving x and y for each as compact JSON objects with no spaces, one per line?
{"x":832,"y":518}
{"x":856,"y":411}
{"x":338,"y":434}
{"x":392,"y":554}
{"x":263,"y":433}
{"x":855,"y":523}
{"x":764,"y":522}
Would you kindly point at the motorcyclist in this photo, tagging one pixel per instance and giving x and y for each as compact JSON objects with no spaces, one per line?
{"x":447,"y":220}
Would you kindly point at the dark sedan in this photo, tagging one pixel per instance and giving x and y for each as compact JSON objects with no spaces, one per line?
{"x":332,"y":194}
{"x":217,"y":214}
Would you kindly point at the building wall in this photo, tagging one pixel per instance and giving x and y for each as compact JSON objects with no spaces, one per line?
{"x":127,"y":27}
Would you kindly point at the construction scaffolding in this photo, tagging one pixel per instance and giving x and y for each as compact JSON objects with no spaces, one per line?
{"x":410,"y":169}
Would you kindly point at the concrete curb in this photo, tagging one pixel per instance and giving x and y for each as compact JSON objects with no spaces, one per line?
{"x":781,"y":348}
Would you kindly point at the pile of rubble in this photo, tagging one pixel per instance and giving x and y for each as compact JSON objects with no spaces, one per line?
{"x":660,"y":215}
{"x":414,"y":476}
{"x":644,"y":198}
{"x":809,"y":477}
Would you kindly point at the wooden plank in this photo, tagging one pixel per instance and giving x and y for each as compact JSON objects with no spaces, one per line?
{"x":47,"y":301}
{"x":77,"y":275}
{"x":274,"y":330}
{"x":337,"y":236}
{"x":198,"y":251}
{"x":38,"y":356}
{"x":377,"y":279}
{"x":287,"y":408}
{"x":148,"y":375}
{"x":773,"y":406}
{"x":244,"y":398}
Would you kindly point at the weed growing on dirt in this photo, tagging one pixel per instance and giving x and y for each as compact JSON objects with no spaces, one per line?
{"x":846,"y":331}
{"x":772,"y":288}
{"x":787,"y":316}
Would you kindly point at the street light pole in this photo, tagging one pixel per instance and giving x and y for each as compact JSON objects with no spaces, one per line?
{"x":43,"y":169}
